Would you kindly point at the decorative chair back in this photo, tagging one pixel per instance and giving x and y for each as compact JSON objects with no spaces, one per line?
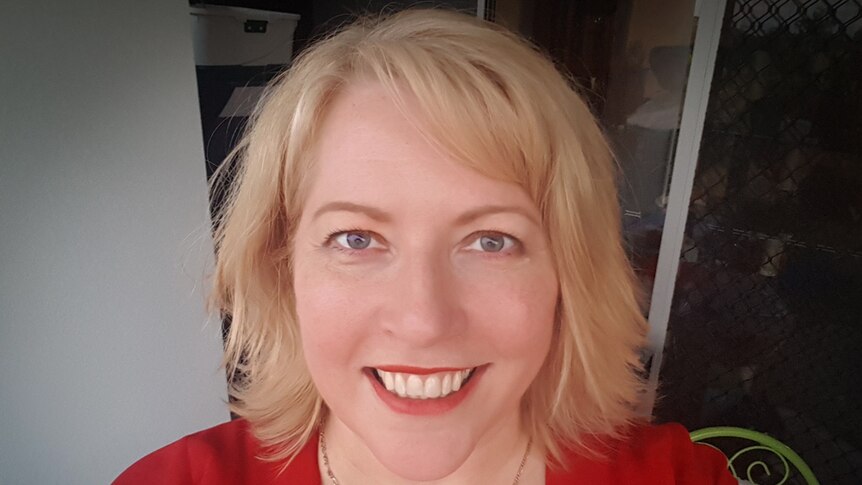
{"x":760,"y":455}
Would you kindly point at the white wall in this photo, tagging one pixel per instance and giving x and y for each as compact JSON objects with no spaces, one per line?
{"x":105,"y":351}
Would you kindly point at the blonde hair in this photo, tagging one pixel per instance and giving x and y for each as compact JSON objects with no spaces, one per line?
{"x":493,"y":102}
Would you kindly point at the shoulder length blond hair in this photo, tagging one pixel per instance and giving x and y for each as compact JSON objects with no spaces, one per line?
{"x":493,"y":102}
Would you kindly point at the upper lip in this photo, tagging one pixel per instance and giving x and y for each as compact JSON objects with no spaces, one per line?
{"x":406,"y":369}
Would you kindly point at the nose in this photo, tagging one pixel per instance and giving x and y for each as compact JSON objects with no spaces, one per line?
{"x":424,"y":304}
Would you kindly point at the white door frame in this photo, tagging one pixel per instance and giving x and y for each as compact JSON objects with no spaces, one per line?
{"x":709,"y":15}
{"x":480,"y":9}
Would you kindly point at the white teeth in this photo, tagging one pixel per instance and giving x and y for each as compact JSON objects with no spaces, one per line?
{"x":400,"y":387}
{"x":432,"y":387}
{"x":416,"y":386}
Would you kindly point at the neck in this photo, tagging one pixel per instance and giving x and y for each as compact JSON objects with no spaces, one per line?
{"x":496,"y":458}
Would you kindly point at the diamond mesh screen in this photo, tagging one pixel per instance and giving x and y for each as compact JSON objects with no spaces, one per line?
{"x":765,"y":330}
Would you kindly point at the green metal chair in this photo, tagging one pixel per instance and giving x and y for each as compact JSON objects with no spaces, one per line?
{"x":779,"y":454}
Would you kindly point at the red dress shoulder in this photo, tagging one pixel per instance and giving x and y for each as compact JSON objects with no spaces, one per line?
{"x":227,"y":455}
{"x":652,"y":455}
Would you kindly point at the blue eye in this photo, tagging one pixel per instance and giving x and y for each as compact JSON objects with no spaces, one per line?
{"x":493,"y":243}
{"x":354,"y":240}
{"x":357,"y":241}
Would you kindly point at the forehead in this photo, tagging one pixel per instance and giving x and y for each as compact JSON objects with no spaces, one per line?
{"x":370,"y":148}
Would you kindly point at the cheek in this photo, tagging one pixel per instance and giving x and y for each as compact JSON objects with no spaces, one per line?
{"x":516,"y":315}
{"x":332,"y":318}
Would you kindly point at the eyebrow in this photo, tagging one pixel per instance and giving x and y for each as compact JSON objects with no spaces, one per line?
{"x":341,"y":206}
{"x":463,"y":219}
{"x":486,"y":210}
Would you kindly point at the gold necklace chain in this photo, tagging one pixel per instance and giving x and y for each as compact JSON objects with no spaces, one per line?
{"x":334,"y":480}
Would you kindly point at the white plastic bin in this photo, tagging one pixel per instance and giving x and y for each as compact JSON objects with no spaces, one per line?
{"x":234,"y":36}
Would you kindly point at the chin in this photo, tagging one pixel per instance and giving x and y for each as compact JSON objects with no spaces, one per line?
{"x":431,"y":459}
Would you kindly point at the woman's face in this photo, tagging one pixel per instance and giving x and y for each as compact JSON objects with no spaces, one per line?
{"x":425,"y":291}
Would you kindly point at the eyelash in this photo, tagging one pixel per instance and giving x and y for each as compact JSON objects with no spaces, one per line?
{"x":329,"y":240}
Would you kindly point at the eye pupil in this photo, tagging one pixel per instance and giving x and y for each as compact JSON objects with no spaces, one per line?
{"x":358,"y":240}
{"x":492,"y":244}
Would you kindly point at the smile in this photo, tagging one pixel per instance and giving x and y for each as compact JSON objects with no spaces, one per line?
{"x":423,"y":386}
{"x":421,"y":391}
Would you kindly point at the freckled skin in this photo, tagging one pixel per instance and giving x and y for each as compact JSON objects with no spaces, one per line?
{"x":425,"y":292}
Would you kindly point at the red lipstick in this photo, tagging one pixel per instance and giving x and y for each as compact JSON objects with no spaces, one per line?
{"x":419,"y":371}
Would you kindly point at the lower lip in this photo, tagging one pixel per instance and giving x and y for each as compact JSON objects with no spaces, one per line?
{"x":425,"y":407}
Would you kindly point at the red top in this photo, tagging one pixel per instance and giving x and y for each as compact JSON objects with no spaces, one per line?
{"x":226,"y":454}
